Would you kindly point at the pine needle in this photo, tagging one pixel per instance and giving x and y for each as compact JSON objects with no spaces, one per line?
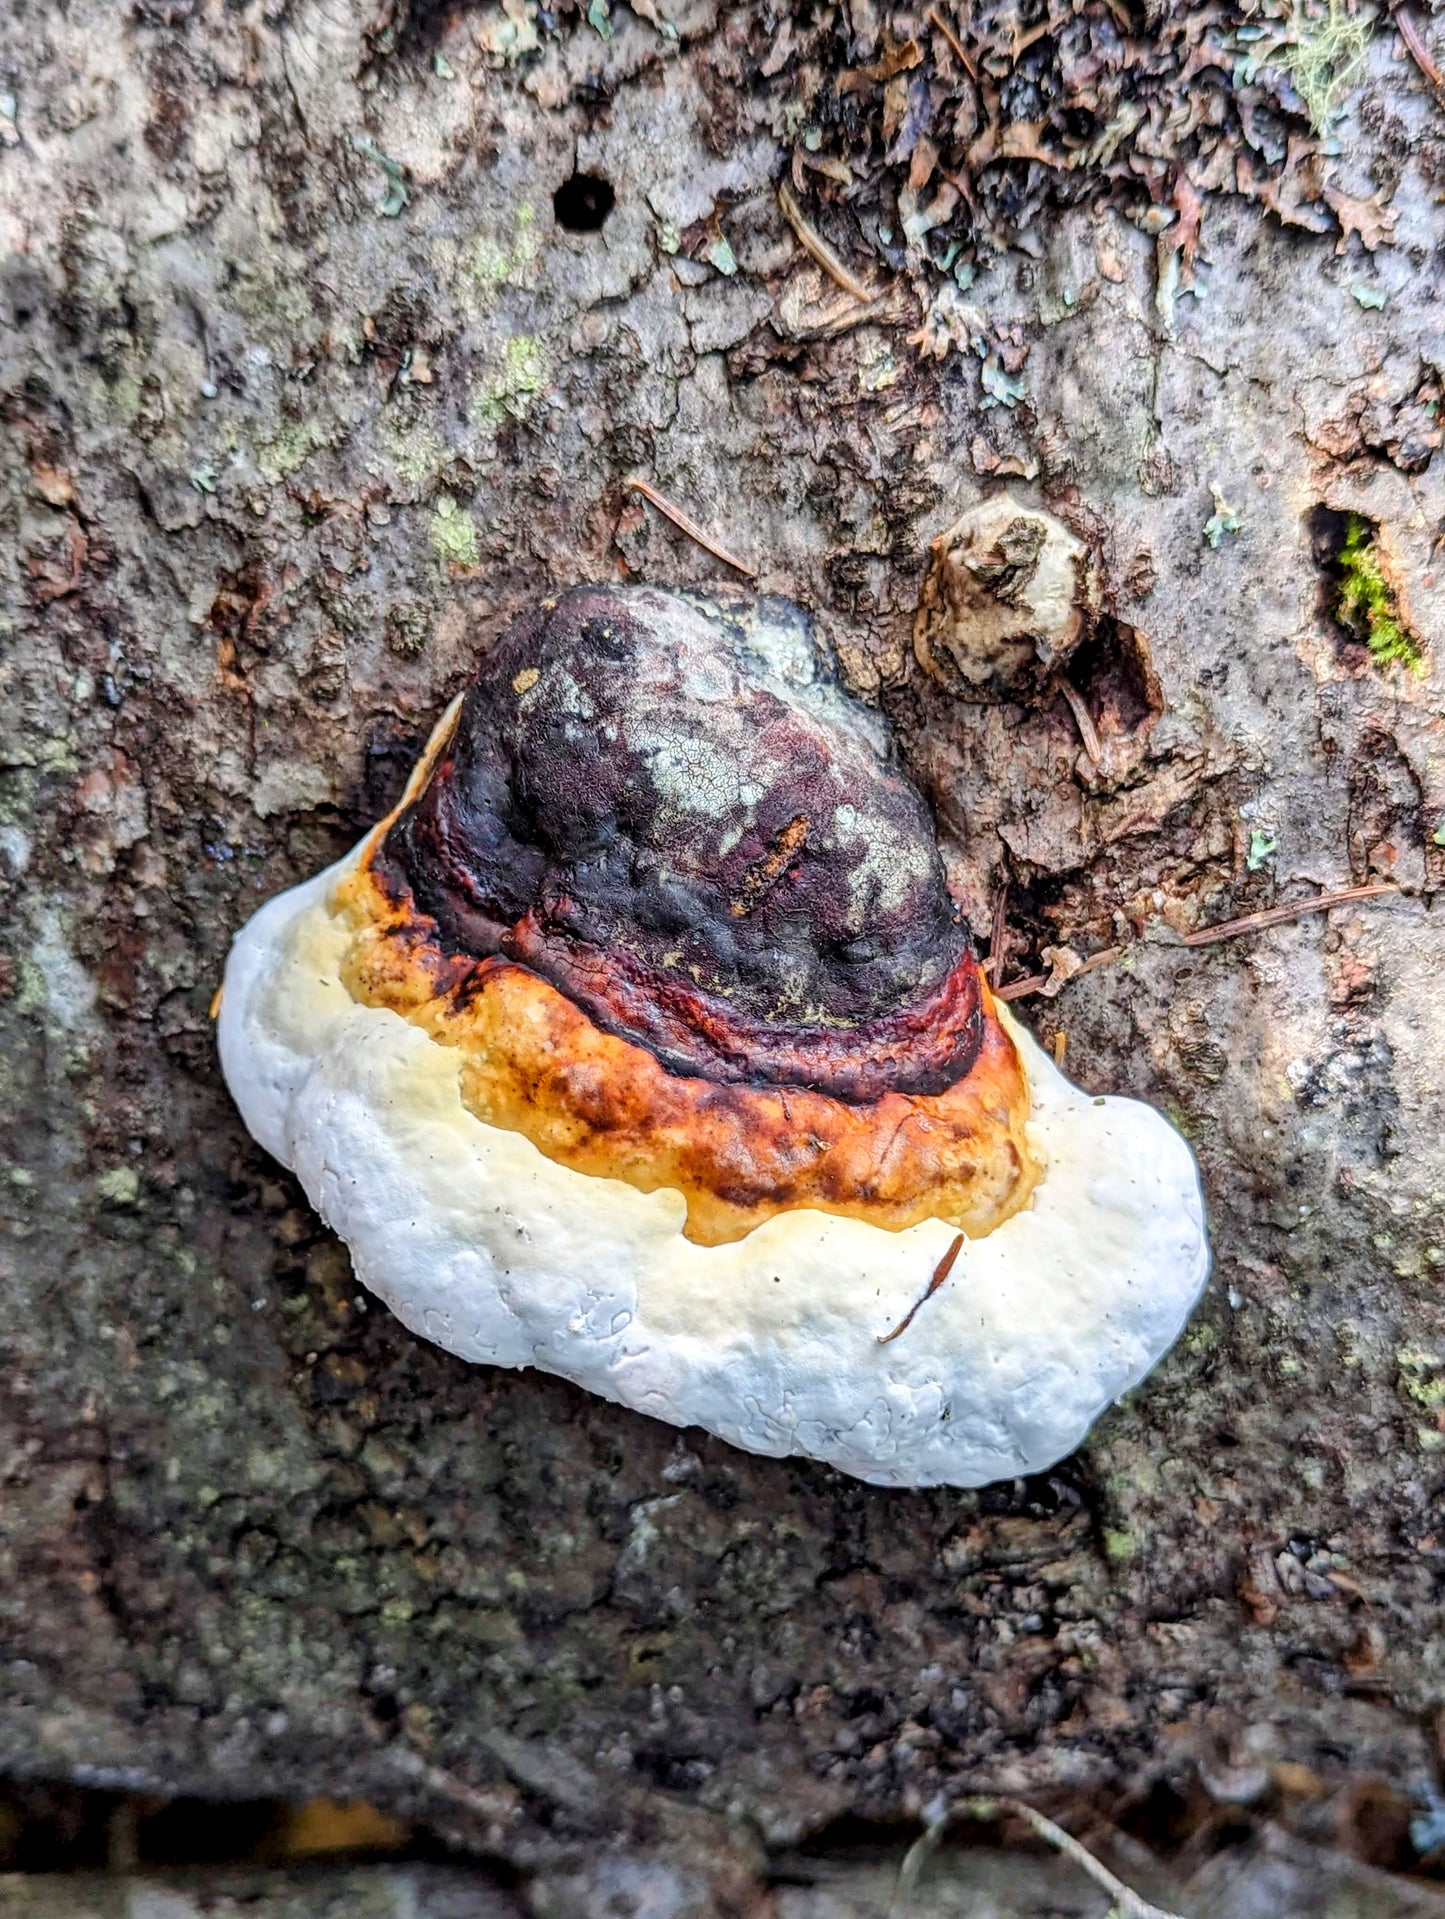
{"x":686,"y":524}
{"x":1279,"y":915}
{"x":1127,"y":1903}
{"x":813,"y":243}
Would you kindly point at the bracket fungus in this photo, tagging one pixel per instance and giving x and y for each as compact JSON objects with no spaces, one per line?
{"x":642,"y":1042}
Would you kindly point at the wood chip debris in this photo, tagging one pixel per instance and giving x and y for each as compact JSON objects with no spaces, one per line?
{"x":1222,"y":930}
{"x":1083,"y":718}
{"x":959,"y":50}
{"x":1126,"y":1903}
{"x":1408,"y":29}
{"x":1036,"y":982}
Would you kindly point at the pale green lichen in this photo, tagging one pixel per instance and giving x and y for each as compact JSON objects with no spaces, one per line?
{"x":719,"y":255}
{"x":417,"y":454}
{"x":999,"y":387}
{"x":119,"y":1187}
{"x":877,"y":368}
{"x":120,"y":397}
{"x":1224,"y":519}
{"x":478,"y":271}
{"x":261,"y":294}
{"x":1262,"y":846}
{"x":453,"y":535}
{"x":511,"y":391}
{"x":508,"y":32}
{"x":1325,"y":54}
{"x":397,"y":196}
{"x":1421,"y":1377}
{"x":1365,"y":603}
{"x":292,"y":446}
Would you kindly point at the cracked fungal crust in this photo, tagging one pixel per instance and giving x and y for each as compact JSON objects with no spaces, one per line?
{"x":688,"y":825}
{"x":664,"y":805}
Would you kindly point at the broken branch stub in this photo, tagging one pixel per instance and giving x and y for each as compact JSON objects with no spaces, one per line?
{"x":1009,"y":591}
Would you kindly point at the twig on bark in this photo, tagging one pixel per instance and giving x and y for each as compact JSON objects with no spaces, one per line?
{"x":689,"y":526}
{"x":1083,"y":718}
{"x":1222,"y":930}
{"x":960,"y":51}
{"x":1036,"y":982}
{"x":1022,"y":988}
{"x":1127,"y":1903}
{"x":1415,"y":46}
{"x":1278,"y":915}
{"x":1023,"y":39}
{"x":993,"y":965}
{"x":493,"y":1804}
{"x":940,"y":1273}
{"x":814,"y":244}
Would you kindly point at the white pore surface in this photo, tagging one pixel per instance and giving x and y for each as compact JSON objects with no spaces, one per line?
{"x":478,"y":1241}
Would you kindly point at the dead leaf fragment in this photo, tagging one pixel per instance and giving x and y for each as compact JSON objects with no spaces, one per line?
{"x":1371,"y":219}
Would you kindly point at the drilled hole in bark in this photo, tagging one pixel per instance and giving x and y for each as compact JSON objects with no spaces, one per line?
{"x":583,"y":203}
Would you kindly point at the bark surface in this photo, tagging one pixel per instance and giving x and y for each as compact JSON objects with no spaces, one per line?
{"x":307,"y":392}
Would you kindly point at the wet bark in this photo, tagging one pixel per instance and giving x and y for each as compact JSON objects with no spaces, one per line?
{"x":307,"y":392}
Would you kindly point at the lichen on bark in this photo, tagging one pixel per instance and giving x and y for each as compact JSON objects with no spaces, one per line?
{"x":260,"y":1539}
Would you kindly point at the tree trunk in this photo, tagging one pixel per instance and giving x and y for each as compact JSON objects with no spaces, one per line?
{"x":328,"y":343}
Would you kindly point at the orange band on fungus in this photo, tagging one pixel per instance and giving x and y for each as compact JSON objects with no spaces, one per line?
{"x":534,"y":1063}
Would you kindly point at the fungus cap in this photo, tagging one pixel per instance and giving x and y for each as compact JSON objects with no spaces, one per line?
{"x":571,"y":1108}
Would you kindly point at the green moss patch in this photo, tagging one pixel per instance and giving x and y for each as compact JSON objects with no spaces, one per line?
{"x":1359,"y":595}
{"x":1365,"y":603}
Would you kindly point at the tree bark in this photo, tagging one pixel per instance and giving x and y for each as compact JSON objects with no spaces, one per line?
{"x":307,"y":392}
